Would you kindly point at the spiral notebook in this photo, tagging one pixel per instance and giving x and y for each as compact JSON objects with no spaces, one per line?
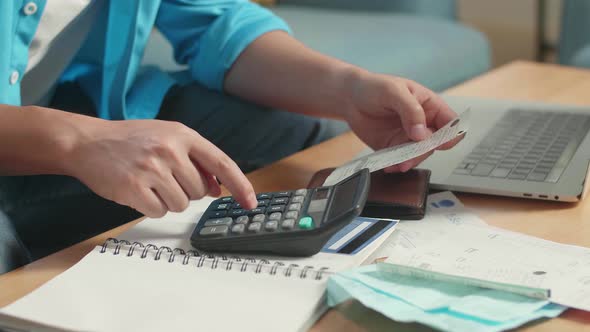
{"x":150,"y":280}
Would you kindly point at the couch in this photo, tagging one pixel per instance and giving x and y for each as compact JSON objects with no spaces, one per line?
{"x":574,"y":39}
{"x":417,"y":39}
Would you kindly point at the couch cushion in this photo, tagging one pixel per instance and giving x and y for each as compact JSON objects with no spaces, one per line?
{"x":581,"y":58}
{"x":437,"y":53}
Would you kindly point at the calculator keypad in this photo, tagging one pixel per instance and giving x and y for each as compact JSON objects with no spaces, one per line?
{"x":259,"y":218}
{"x":219,"y":221}
{"x":253,"y":227}
{"x":241,"y":220}
{"x":219,"y":214}
{"x":288,"y":224}
{"x":238,"y":228}
{"x":276,"y":212}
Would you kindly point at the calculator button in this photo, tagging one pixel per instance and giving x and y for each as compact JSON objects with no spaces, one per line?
{"x":275,"y":216}
{"x":263,"y":196}
{"x":283,"y":194}
{"x":271,"y":225}
{"x":297,"y":199}
{"x":280,"y":200}
{"x":276,"y":208}
{"x":219,"y":214}
{"x":258,"y":210}
{"x":237,"y":206}
{"x":218,"y":222}
{"x":295,"y":207}
{"x":288,"y":224}
{"x":306,"y":223}
{"x":222,"y":206}
{"x":227,"y":199}
{"x":254,"y":227}
{"x":291,"y":215}
{"x":242,"y":220}
{"x":237,"y":212}
{"x":301,"y":192}
{"x":259,"y":218}
{"x":214,"y":231}
{"x":263,"y":202}
{"x":238,"y":228}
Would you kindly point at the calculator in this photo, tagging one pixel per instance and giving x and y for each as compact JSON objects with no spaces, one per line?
{"x":287,"y":223}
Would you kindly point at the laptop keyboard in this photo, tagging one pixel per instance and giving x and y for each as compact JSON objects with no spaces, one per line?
{"x":525,"y":145}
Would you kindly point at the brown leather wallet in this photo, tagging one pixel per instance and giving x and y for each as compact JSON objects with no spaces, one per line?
{"x":392,"y":195}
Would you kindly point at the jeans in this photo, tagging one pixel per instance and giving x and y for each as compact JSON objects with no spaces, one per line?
{"x":12,"y":252}
{"x":51,"y":212}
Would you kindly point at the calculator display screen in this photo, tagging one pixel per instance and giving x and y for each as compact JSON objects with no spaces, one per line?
{"x":344,"y":195}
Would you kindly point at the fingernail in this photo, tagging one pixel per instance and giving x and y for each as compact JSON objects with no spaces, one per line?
{"x":254,"y":201}
{"x":418,"y":132}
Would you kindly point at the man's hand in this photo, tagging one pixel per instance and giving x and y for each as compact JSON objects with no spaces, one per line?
{"x":154,"y":166}
{"x":382,"y":110}
{"x":386,"y":111}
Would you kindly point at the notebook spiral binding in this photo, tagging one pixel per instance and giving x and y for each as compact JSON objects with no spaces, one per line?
{"x":213,"y":261}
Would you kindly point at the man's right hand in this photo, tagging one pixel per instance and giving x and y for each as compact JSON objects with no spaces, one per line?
{"x":154,"y":166}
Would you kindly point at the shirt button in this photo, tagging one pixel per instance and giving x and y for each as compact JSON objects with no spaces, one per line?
{"x":30,"y":8}
{"x":14,"y":76}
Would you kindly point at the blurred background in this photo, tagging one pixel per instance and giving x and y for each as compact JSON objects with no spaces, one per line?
{"x":524,"y":29}
{"x":439,"y":43}
{"x":513,"y":28}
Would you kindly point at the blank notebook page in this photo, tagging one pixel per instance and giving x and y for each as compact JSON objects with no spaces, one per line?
{"x":107,"y":292}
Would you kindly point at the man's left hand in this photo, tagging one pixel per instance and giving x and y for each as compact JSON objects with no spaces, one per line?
{"x":387,"y":111}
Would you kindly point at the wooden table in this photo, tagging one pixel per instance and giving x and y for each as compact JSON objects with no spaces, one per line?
{"x":562,"y":222}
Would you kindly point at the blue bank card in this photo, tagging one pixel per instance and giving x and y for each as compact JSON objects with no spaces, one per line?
{"x":357,"y":235}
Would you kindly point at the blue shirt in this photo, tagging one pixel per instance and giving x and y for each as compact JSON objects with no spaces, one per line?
{"x":206,"y":35}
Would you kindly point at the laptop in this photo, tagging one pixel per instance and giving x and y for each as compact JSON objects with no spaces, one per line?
{"x":517,"y":149}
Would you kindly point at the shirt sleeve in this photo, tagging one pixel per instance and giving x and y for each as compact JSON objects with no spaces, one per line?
{"x":209,"y":36}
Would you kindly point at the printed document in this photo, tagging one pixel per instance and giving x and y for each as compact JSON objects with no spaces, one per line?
{"x":452,"y":241}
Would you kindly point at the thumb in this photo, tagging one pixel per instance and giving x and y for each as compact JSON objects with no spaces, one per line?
{"x":412,"y":115}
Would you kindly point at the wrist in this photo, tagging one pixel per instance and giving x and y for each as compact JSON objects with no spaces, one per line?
{"x":74,"y":133}
{"x":351,"y":80}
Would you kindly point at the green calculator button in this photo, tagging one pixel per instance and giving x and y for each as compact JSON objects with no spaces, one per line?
{"x":306,"y":223}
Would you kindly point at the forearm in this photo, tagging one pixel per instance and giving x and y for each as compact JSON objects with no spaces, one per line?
{"x":36,"y":140}
{"x":279,"y":71}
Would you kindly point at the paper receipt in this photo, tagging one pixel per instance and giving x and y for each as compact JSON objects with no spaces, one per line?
{"x":403,"y":152}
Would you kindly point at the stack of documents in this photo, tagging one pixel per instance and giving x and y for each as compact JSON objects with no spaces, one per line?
{"x":472,"y":276}
{"x":457,"y":243}
{"x":441,"y":305}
